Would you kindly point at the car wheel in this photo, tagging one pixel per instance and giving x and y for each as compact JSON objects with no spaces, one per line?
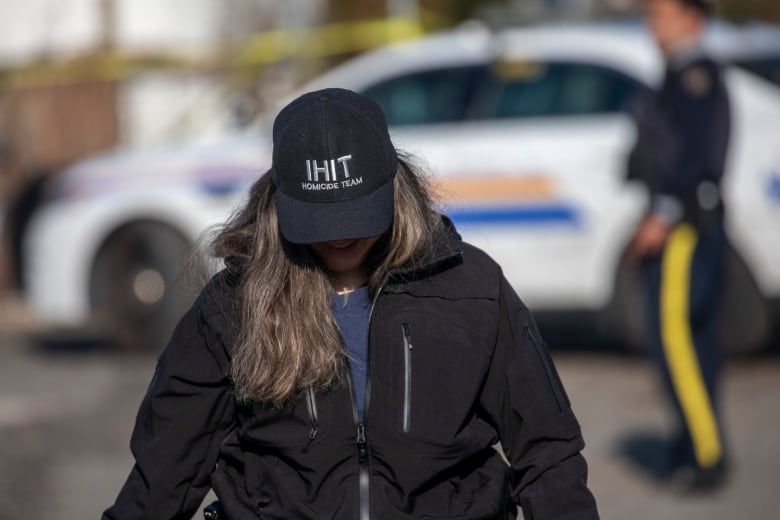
{"x":622,"y":322}
{"x":138,"y":285}
{"x":744,"y":324}
{"x":745,"y":314}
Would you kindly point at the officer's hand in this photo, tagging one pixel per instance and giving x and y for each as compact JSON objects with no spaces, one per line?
{"x":649,"y":237}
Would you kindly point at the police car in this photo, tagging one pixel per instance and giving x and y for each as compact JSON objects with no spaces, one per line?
{"x":526,"y":132}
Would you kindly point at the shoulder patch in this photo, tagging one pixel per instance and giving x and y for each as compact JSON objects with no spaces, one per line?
{"x":697,"y":81}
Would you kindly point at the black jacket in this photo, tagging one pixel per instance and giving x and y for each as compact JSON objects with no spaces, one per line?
{"x":456,"y":364}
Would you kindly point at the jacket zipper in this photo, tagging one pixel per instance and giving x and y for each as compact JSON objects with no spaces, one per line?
{"x":360,"y":441}
{"x":407,"y":376}
{"x":363,"y":474}
{"x":311,"y":404}
{"x":362,"y":449}
{"x":547,"y":370}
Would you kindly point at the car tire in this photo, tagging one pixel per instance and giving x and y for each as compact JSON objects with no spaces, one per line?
{"x":622,"y":322}
{"x":744,"y":324}
{"x":745,"y":316}
{"x":140,"y":285}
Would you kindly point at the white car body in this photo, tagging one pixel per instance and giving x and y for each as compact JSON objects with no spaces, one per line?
{"x":545,"y":196}
{"x":188,"y":189}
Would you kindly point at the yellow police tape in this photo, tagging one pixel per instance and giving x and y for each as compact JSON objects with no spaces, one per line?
{"x":679,"y":348}
{"x":328,"y":40}
{"x":263,"y":49}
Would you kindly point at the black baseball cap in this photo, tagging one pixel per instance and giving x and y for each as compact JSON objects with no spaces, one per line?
{"x":333,"y":167}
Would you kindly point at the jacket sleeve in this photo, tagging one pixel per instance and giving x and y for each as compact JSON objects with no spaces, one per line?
{"x":185,"y":415}
{"x":525,"y":400}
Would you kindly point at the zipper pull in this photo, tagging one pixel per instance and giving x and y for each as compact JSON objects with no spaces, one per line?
{"x":361,"y":441}
{"x":312,"y":405}
{"x":312,"y":436}
{"x":407,"y":335}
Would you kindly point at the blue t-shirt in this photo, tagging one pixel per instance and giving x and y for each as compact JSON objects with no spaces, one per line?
{"x":351,"y":312}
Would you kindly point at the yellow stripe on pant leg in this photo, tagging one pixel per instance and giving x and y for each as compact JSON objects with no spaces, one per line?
{"x":679,"y":349}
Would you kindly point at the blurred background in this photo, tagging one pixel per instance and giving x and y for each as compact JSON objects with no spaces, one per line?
{"x":129,"y":129}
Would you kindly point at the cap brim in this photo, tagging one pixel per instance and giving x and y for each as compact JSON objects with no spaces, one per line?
{"x":311,"y":222}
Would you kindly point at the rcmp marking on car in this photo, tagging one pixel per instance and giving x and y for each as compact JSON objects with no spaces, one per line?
{"x":773,"y":186}
{"x":505,"y":200}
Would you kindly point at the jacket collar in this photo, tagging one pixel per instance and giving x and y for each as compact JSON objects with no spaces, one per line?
{"x":447,"y":253}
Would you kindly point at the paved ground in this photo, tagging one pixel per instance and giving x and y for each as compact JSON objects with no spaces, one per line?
{"x":65,"y":421}
{"x":617,"y":402}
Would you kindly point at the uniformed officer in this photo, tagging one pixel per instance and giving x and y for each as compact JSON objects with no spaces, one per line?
{"x":683,"y":133}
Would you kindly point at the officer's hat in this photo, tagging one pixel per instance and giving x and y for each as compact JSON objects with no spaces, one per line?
{"x":706,"y":7}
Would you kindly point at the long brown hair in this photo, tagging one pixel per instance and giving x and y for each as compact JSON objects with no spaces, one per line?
{"x":288,"y":338}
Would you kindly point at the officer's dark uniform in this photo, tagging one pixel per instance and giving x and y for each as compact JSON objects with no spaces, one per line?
{"x":683,"y":132}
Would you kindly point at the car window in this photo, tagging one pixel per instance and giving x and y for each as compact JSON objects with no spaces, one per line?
{"x":550,"y":89}
{"x":502,"y":91}
{"x":518,"y":90}
{"x":766,"y":67}
{"x":589,"y":89}
{"x":426,"y":97}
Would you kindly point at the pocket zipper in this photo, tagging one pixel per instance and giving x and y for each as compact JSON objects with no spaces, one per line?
{"x":549,"y":371}
{"x":407,"y":377}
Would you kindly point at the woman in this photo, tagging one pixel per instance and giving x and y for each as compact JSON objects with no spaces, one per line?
{"x":355,"y":359}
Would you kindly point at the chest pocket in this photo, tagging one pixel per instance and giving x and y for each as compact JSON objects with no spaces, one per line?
{"x":428,"y":365}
